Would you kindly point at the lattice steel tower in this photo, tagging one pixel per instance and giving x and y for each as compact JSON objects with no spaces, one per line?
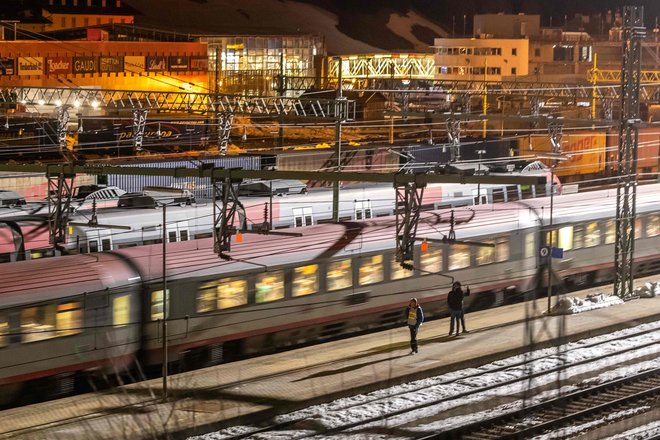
{"x":633,"y":32}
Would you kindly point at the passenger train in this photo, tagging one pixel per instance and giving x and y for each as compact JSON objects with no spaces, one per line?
{"x":102,"y":312}
{"x":190,"y":221}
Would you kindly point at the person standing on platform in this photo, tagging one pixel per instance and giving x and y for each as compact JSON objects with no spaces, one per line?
{"x":415,"y":318}
{"x":455,"y":305}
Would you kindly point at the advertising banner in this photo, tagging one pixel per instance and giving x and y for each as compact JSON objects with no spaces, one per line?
{"x":156,"y":64}
{"x":111,"y":64}
{"x":85,"y":64}
{"x":58,"y":65}
{"x":179,"y":63}
{"x":7,"y":67}
{"x":199,"y":63}
{"x":134,"y":64}
{"x":30,"y":66}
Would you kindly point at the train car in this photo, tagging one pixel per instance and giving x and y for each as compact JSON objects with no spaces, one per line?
{"x":95,"y":311}
{"x":647,"y":152}
{"x":585,"y":154}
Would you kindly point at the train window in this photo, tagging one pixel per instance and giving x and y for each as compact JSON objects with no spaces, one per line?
{"x":592,"y":235}
{"x":530,"y":245}
{"x":157,"y":304}
{"x":107,"y":246}
{"x":93,"y":246}
{"x":305,"y":280}
{"x":485,"y":255}
{"x":653,"y":226}
{"x":269,"y":286}
{"x":638,"y":228}
{"x":430,"y":261}
{"x":340,"y":275}
{"x":302,"y":217}
{"x":371,"y":270}
{"x":69,"y":319}
{"x":565,"y":238}
{"x":4,"y":330}
{"x":362,"y":209}
{"x":184,"y":235}
{"x":397,"y":272}
{"x":610,"y":232}
{"x":502,"y":252}
{"x":121,"y":310}
{"x":221,"y":294}
{"x":203,"y":235}
{"x":38,"y":323}
{"x":172,"y":236}
{"x":578,"y":237}
{"x":459,"y":257}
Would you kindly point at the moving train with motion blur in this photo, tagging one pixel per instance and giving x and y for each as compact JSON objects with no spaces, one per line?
{"x":126,"y":220}
{"x":101,"y":313}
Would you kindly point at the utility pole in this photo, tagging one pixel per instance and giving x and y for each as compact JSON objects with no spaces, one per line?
{"x":165,"y":302}
{"x":336,"y":184}
{"x":626,"y":191}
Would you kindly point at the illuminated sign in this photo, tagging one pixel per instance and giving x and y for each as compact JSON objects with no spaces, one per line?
{"x":111,"y":64}
{"x":134,"y":64}
{"x":156,"y":64}
{"x":58,"y":65}
{"x":30,"y":66}
{"x":179,"y":63}
{"x":85,"y":65}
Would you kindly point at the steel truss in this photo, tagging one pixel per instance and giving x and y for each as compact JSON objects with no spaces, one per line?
{"x":60,"y":191}
{"x":139,"y":123}
{"x":225,"y":207}
{"x":399,"y":66}
{"x":408,"y":202}
{"x":225,"y":121}
{"x":624,"y":250}
{"x":178,"y":102}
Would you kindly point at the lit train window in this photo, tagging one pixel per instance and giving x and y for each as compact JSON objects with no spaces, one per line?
{"x":4,"y":329}
{"x":38,"y":323}
{"x":502,"y":252}
{"x":371,"y":270}
{"x":610,"y":232}
{"x":430,"y":261}
{"x":157,"y":304}
{"x":340,"y":275}
{"x":397,"y":272}
{"x":459,"y":257}
{"x":653,"y":226}
{"x":530,"y":245}
{"x":69,"y":319}
{"x":485,"y":255}
{"x":565,"y":238}
{"x":305,"y":280}
{"x":592,"y":235}
{"x":638,"y":228}
{"x":121,"y":310}
{"x":222,"y":294}
{"x":269,"y":286}
{"x":578,"y":237}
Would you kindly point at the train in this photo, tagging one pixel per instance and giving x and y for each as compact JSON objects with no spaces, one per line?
{"x":103,"y":313}
{"x":120,"y":224}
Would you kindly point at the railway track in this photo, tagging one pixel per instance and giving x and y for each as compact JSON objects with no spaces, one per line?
{"x":581,"y":407}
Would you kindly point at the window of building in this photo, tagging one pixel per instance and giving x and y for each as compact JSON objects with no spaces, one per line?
{"x":537,"y":52}
{"x":459,"y":257}
{"x":340,"y":275}
{"x":4,"y":330}
{"x":38,"y":323}
{"x":592,"y":235}
{"x":514,"y":71}
{"x":157,"y":304}
{"x":397,"y":272}
{"x":610,"y":232}
{"x":121,"y":310}
{"x":371,"y":270}
{"x":269,"y":286}
{"x":653,"y":225}
{"x":530,"y":245}
{"x":430,"y":261}
{"x":69,"y":319}
{"x":222,"y":294}
{"x":305,"y":280}
{"x":514,"y":51}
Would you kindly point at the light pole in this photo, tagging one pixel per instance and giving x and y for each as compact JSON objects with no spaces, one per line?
{"x":480,"y":153}
{"x":165,"y":314}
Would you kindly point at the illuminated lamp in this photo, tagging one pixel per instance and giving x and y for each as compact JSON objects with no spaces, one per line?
{"x":239,"y":238}
{"x":58,"y":103}
{"x":424,"y":247}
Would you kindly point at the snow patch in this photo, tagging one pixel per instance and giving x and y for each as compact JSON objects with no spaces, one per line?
{"x":572,"y":305}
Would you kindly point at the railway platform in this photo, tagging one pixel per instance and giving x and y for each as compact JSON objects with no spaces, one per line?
{"x":255,"y":389}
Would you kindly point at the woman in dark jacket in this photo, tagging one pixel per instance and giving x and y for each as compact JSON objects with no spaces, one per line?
{"x":455,"y":305}
{"x":415,"y":317}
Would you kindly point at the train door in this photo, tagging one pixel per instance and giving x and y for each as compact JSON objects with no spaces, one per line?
{"x":303,"y":217}
{"x":183,"y":231}
{"x":99,"y":241}
{"x":363,"y":209}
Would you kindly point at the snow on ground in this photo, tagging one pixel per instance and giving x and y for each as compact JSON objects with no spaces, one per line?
{"x":652,"y":430}
{"x":571,"y":305}
{"x":452,"y":386}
